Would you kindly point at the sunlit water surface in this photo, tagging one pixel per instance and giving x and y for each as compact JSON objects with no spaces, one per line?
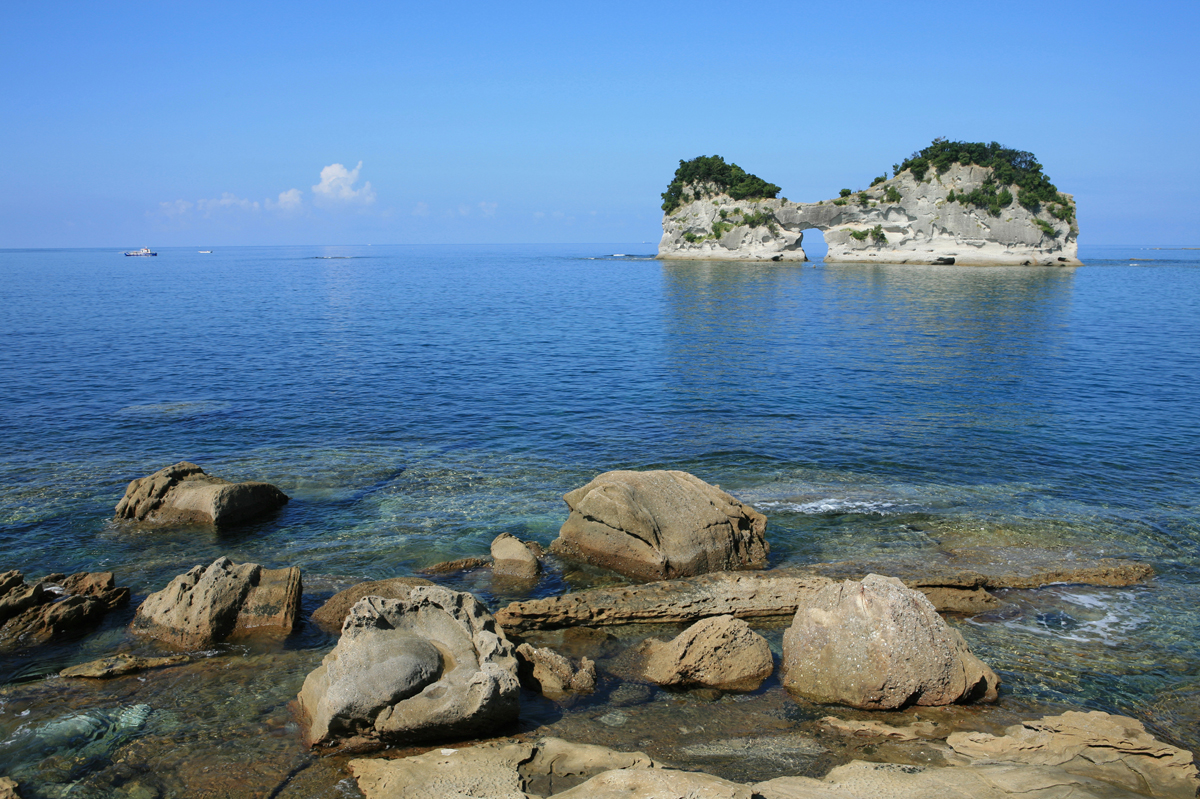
{"x":416,"y":402}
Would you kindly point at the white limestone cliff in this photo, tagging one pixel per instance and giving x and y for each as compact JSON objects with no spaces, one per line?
{"x":922,"y":227}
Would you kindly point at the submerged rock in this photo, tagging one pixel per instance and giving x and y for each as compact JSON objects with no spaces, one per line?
{"x":878,"y":645}
{"x":660,"y":524}
{"x":184,"y":493}
{"x":55,"y":606}
{"x":210,"y":604}
{"x":332,"y":614}
{"x":721,"y":652}
{"x":431,"y":666}
{"x":546,"y":671}
{"x":119,"y":665}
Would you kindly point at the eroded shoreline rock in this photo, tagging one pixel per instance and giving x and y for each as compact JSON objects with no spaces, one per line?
{"x":660,"y":524}
{"x":332,"y":615}
{"x":184,"y":493}
{"x":54,"y":606}
{"x":720,"y":652}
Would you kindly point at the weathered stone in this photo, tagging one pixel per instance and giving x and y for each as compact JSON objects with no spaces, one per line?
{"x":451,"y":566}
{"x":332,"y":614}
{"x":513,"y":558}
{"x":656,"y":784}
{"x":431,"y":666}
{"x":54,"y":607}
{"x":876,"y":644}
{"x":184,"y":493}
{"x":9,"y":788}
{"x":546,"y":671}
{"x":209,"y":604}
{"x":1112,"y":749}
{"x":119,"y":665}
{"x":659,"y":525}
{"x":720,"y":652}
{"x":496,"y":770}
{"x":877,"y":729}
{"x":742,"y":594}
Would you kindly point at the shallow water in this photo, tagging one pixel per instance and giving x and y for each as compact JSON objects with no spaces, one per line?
{"x":416,"y":402}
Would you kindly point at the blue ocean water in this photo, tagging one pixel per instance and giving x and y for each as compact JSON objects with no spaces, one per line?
{"x":416,"y":401}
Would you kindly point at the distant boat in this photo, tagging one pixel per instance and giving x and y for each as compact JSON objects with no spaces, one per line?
{"x":143,"y":251}
{"x":202,"y":252}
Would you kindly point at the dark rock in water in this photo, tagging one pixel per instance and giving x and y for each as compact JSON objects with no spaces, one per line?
{"x":878,"y":645}
{"x":55,"y":606}
{"x":630,"y":694}
{"x":460,"y":565}
{"x":546,"y":671}
{"x":332,"y":614}
{"x":431,"y":666}
{"x":659,"y":525}
{"x":720,"y":652}
{"x":184,"y":493}
{"x":119,"y":665}
{"x":209,"y":604}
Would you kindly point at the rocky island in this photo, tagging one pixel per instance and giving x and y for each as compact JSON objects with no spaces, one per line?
{"x":950,"y":203}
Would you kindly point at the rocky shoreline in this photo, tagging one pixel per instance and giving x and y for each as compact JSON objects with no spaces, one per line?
{"x":573,"y":682}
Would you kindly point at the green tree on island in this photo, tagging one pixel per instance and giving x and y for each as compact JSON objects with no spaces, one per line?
{"x":728,"y":178}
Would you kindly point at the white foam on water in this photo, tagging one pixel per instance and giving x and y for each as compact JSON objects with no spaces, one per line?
{"x":1108,"y":617}
{"x":833,"y":505}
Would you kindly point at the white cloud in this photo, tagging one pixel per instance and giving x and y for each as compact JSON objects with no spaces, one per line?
{"x":464,"y":210}
{"x":289,"y":200}
{"x":337,"y":186}
{"x":227,"y":202}
{"x":489,"y":209}
{"x":177,"y":208}
{"x":421,"y":209}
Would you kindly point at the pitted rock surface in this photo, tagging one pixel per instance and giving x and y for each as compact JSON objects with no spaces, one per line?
{"x":660,"y":525}
{"x":878,"y":645}
{"x":432,"y":666}
{"x":184,"y":493}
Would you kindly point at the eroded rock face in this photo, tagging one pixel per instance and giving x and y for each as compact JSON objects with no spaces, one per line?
{"x":184,"y":493}
{"x":512,"y":557}
{"x":659,"y":525}
{"x":551,"y":674}
{"x":657,"y":784}
{"x":1095,"y":745}
{"x":210,"y":604}
{"x":721,"y":652}
{"x":921,"y":227}
{"x":499,"y":770}
{"x":54,"y":606}
{"x":332,"y":615}
{"x":433,"y":666}
{"x":878,"y":645}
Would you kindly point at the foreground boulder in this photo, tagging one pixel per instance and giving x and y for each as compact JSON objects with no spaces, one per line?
{"x":55,"y":606}
{"x":721,"y":652}
{"x":660,"y":525}
{"x":210,"y":604}
{"x":878,"y":645}
{"x":332,"y":615}
{"x":1095,"y":745}
{"x":543,"y":670}
{"x":431,"y":666}
{"x":184,"y":493}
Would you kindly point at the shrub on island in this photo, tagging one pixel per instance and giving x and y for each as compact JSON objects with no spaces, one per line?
{"x":712,"y":170}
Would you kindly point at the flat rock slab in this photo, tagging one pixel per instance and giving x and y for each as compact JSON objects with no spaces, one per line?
{"x":657,"y":784}
{"x":209,"y":604}
{"x":120,"y":665}
{"x":184,"y":493}
{"x":660,"y":525}
{"x":332,"y":614}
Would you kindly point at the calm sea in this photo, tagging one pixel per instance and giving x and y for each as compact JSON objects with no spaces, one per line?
{"x":416,"y":401}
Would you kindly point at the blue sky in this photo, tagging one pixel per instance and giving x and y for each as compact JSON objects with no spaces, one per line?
{"x":238,"y":123}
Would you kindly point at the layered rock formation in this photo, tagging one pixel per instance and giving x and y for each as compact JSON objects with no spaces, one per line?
{"x":184,"y":493}
{"x":209,"y":604}
{"x":660,"y":524}
{"x":902,"y":220}
{"x":54,"y":606}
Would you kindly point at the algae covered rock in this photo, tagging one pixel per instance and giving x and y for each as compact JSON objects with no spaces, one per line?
{"x":659,"y":525}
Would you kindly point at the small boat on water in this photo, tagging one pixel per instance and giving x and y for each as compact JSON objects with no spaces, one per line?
{"x":143,"y":251}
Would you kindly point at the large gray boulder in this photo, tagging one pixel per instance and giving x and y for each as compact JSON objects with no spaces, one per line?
{"x":431,"y":666}
{"x":184,"y":493}
{"x":721,"y":652}
{"x":659,"y":525}
{"x":1095,"y":745}
{"x":210,"y":604}
{"x":878,"y":645}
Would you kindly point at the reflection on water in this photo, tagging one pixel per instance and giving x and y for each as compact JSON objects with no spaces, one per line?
{"x":416,"y":402}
